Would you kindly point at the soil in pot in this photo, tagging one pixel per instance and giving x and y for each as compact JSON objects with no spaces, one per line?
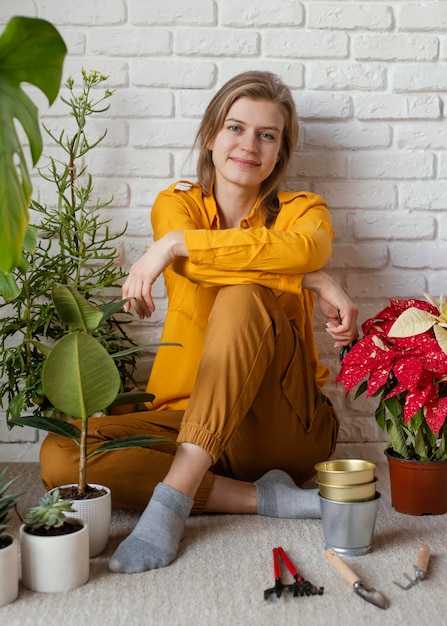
{"x":65,"y":529}
{"x":71,"y":492}
{"x":5,"y":541}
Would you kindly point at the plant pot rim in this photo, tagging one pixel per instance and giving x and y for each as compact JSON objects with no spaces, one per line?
{"x":391,"y":453}
{"x":94,"y":485}
{"x":72,"y":520}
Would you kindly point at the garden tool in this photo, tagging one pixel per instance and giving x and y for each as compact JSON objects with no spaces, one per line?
{"x":370,"y":595}
{"x":420,"y":568}
{"x":300,"y":586}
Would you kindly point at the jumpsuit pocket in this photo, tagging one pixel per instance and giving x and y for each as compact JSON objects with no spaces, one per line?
{"x":312,"y":408}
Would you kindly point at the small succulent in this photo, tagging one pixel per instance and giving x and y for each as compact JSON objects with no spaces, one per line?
{"x":50,"y":512}
{"x":6,"y":502}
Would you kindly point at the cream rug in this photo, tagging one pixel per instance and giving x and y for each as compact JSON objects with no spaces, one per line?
{"x":225,"y":563}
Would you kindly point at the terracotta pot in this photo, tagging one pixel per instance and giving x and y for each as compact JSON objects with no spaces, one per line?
{"x":57,"y":563}
{"x":9,"y":573}
{"x":97,"y":513}
{"x":417,"y":487}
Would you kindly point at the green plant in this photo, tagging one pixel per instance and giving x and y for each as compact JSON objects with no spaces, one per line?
{"x":80,"y":378}
{"x":49,"y":513}
{"x":74,"y":246}
{"x":403,"y":354}
{"x":31,"y":51}
{"x":7,"y":502}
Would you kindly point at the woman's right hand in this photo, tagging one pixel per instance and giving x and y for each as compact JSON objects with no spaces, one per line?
{"x":144,"y":273}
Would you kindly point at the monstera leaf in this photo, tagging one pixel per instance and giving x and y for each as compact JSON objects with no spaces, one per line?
{"x":31,"y":51}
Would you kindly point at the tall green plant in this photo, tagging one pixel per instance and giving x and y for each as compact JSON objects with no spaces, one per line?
{"x":80,"y":378}
{"x":31,"y":51}
{"x":71,"y":244}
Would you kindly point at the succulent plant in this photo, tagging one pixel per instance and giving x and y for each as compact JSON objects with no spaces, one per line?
{"x":6,"y":502}
{"x":49,"y":513}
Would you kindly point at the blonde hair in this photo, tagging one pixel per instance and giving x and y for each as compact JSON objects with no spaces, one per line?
{"x":256,"y":85}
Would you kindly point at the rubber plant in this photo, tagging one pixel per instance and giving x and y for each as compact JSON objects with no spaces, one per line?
{"x":31,"y":51}
{"x":81,"y":379}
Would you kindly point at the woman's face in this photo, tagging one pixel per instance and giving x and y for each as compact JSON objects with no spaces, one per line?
{"x":246,"y":149}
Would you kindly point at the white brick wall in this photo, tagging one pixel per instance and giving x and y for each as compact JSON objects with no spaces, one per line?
{"x":369,"y":79}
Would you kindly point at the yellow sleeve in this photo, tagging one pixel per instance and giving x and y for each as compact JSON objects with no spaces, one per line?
{"x":300,"y":242}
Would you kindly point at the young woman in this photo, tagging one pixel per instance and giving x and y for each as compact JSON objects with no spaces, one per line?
{"x":243,"y":395}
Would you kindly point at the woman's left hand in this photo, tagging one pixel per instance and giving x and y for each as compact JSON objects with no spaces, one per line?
{"x":336,"y":306}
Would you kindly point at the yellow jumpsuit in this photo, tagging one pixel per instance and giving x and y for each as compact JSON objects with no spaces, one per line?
{"x":246,"y":383}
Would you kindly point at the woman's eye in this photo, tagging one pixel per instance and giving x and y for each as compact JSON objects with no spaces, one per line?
{"x":267,"y":136}
{"x":233,"y":128}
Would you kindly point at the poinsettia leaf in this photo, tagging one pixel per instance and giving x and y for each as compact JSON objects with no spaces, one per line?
{"x":413,"y":321}
{"x":441,"y":336}
{"x":436,"y":414}
{"x":414,"y":401}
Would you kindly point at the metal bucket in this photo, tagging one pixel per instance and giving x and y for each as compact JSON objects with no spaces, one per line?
{"x":349,"y":526}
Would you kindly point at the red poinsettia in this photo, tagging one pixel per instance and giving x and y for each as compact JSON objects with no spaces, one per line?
{"x":403,"y":355}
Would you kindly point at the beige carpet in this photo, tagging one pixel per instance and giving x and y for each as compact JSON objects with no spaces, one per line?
{"x":225,"y":564}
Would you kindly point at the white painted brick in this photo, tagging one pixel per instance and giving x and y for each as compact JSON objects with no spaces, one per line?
{"x":429,"y":135}
{"x":349,"y":76}
{"x":173,"y":13}
{"x":9,"y":8}
{"x":395,"y":47}
{"x":351,"y":135}
{"x":322,"y":106}
{"x":366,"y":255}
{"x":205,"y":42}
{"x":130,"y":163}
{"x":112,"y":41}
{"x":386,"y":284}
{"x":392,"y":165}
{"x":260,"y":13}
{"x":359,"y":194}
{"x":291,"y":72}
{"x":75,"y":42}
{"x":176,"y":75}
{"x":302,"y":44}
{"x":172,"y":134}
{"x":193,"y":102}
{"x":368,"y":16}
{"x":396,"y":106}
{"x":443,"y":166}
{"x":84,"y":12}
{"x":318,"y":165}
{"x":422,"y":16}
{"x":419,"y":77}
{"x":423,"y":255}
{"x":437,"y":283}
{"x":144,"y":103}
{"x":393,"y":226}
{"x":423,"y":195}
{"x":442,"y":220}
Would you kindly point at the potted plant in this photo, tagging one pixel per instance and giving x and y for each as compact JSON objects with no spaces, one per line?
{"x":9,"y":570}
{"x":403,"y":356}
{"x":54,"y":548}
{"x":70,"y":243}
{"x":80,"y":379}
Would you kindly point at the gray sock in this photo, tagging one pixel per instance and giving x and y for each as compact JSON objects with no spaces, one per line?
{"x":278,"y":496}
{"x":155,"y":540}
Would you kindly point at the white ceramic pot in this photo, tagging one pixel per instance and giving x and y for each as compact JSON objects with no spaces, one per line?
{"x":52,"y":564}
{"x":97,"y":513}
{"x":9,"y":573}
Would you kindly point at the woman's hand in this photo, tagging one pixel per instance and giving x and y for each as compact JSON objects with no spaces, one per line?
{"x":147,"y":269}
{"x":335,"y":305}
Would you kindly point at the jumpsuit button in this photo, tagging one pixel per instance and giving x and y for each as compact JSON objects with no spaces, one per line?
{"x":245,"y":224}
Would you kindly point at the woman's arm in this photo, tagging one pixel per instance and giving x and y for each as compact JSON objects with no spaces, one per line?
{"x":340,"y":312}
{"x":147,"y":269}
